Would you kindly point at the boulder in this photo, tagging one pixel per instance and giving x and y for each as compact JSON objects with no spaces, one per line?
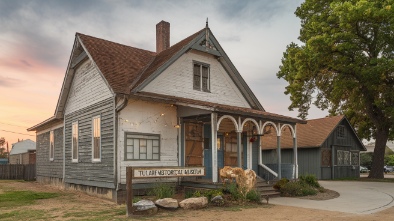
{"x":167,"y":203}
{"x":194,"y":203}
{"x":217,"y":201}
{"x":144,"y":207}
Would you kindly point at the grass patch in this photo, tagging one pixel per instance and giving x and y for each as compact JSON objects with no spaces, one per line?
{"x":21,"y":198}
{"x":29,"y":214}
{"x":97,"y":215}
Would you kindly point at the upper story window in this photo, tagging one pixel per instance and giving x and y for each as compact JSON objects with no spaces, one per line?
{"x":341,"y":132}
{"x":51,"y":145}
{"x":96,"y":139}
{"x":201,"y":77}
{"x":74,"y":142}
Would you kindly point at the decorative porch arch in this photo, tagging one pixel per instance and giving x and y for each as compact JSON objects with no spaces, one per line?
{"x":228,"y":117}
{"x":293,"y":133}
{"x":250,"y":119}
{"x":269,"y":123}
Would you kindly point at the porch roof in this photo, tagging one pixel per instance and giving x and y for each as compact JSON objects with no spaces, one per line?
{"x":220,"y":107}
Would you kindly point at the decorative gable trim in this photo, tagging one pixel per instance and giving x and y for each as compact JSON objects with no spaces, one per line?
{"x":69,"y":76}
{"x":167,"y":64}
{"x":207,"y":43}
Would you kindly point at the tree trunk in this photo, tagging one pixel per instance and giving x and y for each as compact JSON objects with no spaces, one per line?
{"x":378,"y":154}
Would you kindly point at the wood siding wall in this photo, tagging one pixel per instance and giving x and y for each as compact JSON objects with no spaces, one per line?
{"x":86,"y":172}
{"x":309,"y":159}
{"x":349,"y":143}
{"x":145,"y":117}
{"x":45,"y":167}
{"x":88,"y":87}
{"x":177,"y":80}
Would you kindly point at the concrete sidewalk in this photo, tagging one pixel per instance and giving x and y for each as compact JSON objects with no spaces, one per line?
{"x":355,"y":197}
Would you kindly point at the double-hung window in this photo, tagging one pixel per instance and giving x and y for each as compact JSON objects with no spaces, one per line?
{"x":51,"y":146}
{"x":74,"y":142}
{"x":96,"y":139}
{"x":142,"y":146}
{"x":201,"y":77}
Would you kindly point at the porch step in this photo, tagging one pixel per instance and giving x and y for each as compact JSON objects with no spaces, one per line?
{"x":266,"y":189}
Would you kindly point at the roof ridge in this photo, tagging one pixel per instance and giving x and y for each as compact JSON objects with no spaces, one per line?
{"x":326,"y":117}
{"x":102,"y":39}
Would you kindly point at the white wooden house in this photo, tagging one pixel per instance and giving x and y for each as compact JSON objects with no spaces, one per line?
{"x":183,"y":105}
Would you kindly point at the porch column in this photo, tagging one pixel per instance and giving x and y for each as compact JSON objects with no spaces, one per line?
{"x":295,"y":157}
{"x":239,"y":156}
{"x":239,"y":146}
{"x":279,"y":158}
{"x":214,"y":132}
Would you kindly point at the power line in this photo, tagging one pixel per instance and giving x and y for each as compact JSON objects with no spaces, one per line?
{"x":17,"y":133}
{"x":12,"y":125}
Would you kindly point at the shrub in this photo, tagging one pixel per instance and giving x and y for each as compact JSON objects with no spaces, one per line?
{"x":278,"y":185}
{"x":212,"y":193}
{"x":233,"y":190}
{"x":311,"y":180}
{"x":162,"y":190}
{"x":253,"y":196}
{"x":297,"y":188}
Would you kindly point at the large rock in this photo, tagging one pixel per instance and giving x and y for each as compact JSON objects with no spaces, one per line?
{"x":144,"y":207}
{"x":167,"y":203}
{"x":217,"y":201}
{"x":194,"y":203}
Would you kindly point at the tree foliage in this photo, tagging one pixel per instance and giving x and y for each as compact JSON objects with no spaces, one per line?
{"x":346,"y":64}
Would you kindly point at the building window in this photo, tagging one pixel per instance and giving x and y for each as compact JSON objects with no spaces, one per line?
{"x":355,"y":158}
{"x":96,"y":139}
{"x":74,"y":142}
{"x":201,"y":77}
{"x":341,"y":132}
{"x":343,"y":158}
{"x":51,"y":145}
{"x":142,"y":146}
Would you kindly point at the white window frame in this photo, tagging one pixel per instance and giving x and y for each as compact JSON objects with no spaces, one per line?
{"x":140,"y":136}
{"x":51,"y":145}
{"x":73,"y":132}
{"x":94,"y":132}
{"x":200,"y":88}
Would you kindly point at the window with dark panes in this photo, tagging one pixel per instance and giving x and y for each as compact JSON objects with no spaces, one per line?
{"x":142,"y":146}
{"x":51,"y":146}
{"x":341,"y":132}
{"x":201,"y":77}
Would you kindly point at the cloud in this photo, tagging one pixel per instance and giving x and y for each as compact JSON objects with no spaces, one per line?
{"x":9,"y":82}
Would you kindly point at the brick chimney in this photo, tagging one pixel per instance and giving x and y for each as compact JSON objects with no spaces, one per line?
{"x":162,"y":36}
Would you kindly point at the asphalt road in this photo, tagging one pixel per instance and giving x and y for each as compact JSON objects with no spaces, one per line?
{"x":355,"y":197}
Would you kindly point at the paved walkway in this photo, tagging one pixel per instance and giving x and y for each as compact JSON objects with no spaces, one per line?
{"x":355,"y":197}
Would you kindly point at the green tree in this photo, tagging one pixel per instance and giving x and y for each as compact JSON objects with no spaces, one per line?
{"x":345,"y":64}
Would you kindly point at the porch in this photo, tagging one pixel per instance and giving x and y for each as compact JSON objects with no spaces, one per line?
{"x":224,"y":137}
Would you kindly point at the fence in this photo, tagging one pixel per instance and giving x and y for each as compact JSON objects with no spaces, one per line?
{"x":18,"y":172}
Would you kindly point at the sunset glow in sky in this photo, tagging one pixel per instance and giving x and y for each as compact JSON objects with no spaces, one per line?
{"x":36,"y":38}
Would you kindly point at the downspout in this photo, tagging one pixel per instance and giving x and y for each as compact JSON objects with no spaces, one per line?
{"x":118,"y":108}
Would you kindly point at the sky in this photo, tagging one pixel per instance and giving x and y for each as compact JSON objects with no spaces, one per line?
{"x":36,"y":38}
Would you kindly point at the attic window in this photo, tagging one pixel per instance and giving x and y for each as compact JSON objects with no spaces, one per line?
{"x":341,"y":132}
{"x":201,"y":77}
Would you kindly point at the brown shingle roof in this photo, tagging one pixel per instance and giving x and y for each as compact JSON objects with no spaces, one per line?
{"x":124,"y":66}
{"x":163,"y":57}
{"x":222,"y":107}
{"x":120,"y":64}
{"x":309,"y":135}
